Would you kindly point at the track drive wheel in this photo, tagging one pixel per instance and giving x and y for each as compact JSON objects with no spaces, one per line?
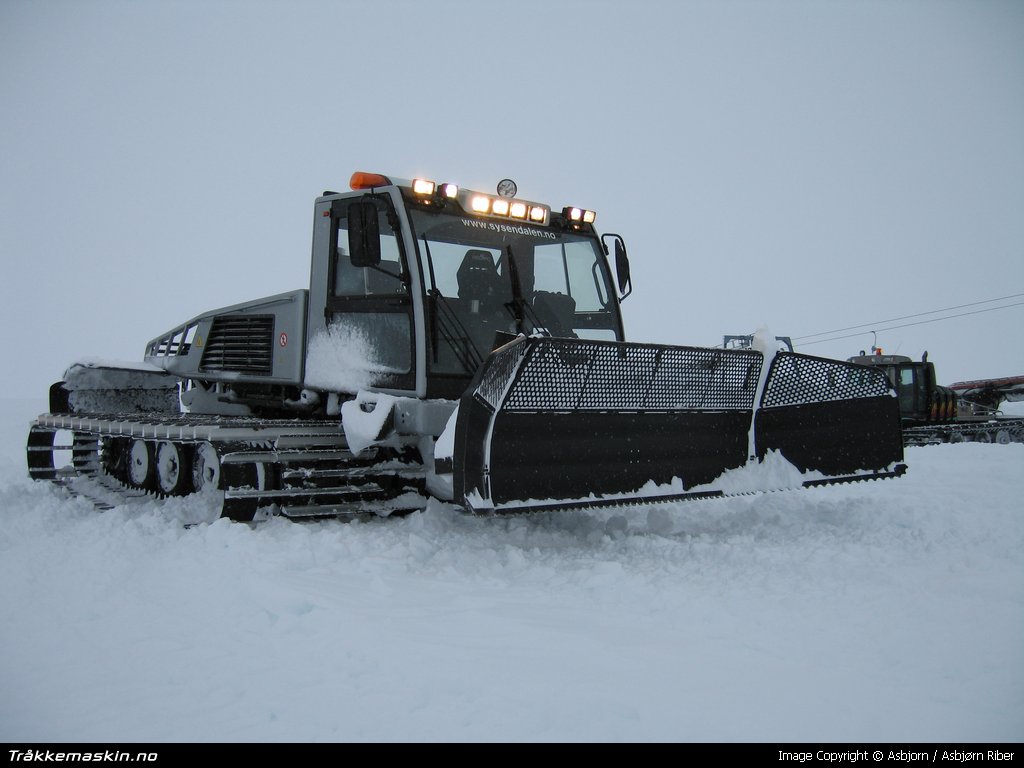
{"x":173,"y":468}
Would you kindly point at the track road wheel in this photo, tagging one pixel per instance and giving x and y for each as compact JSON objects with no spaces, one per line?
{"x":140,"y":464}
{"x":205,"y":468}
{"x":983,"y":437}
{"x":1003,"y":437}
{"x":172,"y":468}
{"x":956,"y":437}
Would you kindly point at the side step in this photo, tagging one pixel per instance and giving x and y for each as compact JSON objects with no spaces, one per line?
{"x":551,"y":423}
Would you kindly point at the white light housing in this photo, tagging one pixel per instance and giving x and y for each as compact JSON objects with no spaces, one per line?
{"x":575,"y":214}
{"x":422,"y":187}
{"x":481,"y":204}
{"x":589,"y":217}
{"x":518,"y":211}
{"x":450,"y":190}
{"x":538,"y":213}
{"x":499,"y":207}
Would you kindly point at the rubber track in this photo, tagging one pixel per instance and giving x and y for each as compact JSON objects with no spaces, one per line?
{"x":925,"y":434}
{"x":308,"y":446}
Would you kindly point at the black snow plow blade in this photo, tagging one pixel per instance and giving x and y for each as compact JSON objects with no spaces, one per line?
{"x":569,"y":422}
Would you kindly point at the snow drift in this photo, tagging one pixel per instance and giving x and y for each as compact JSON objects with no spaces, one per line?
{"x":872,"y":612}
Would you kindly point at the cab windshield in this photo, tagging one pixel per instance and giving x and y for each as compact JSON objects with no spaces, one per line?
{"x":483,"y":277}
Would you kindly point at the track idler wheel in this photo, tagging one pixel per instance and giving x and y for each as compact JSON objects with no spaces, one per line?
{"x":40,"y":454}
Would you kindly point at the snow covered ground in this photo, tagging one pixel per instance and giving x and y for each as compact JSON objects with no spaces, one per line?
{"x":877,"y":611}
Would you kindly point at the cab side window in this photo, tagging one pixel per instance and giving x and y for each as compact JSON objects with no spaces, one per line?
{"x":369,"y":307}
{"x":386,"y":278}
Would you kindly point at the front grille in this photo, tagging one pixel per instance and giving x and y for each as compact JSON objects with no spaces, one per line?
{"x":240,"y":343}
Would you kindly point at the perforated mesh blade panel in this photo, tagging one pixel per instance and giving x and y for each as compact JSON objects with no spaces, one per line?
{"x":574,"y":419}
{"x":796,"y":379}
{"x":561,"y":374}
{"x":496,"y":377}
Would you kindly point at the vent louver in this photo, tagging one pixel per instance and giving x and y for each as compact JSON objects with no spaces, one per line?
{"x":242,"y":343}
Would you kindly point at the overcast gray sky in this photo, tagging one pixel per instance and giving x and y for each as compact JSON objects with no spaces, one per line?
{"x":804,"y":166}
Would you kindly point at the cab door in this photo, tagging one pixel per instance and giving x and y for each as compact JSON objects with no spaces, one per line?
{"x":369,"y":340}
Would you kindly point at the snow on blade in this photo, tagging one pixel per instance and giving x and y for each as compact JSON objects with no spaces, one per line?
{"x":650,"y":490}
{"x":773,"y":473}
{"x":440,"y":481}
{"x":763,"y":341}
{"x":444,"y":448}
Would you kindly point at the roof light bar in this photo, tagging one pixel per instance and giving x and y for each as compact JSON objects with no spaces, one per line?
{"x":431,"y":192}
{"x":579,"y":215}
{"x":423,"y":187}
{"x":513,"y":209}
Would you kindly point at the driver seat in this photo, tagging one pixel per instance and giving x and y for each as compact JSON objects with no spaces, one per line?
{"x":478,"y":276}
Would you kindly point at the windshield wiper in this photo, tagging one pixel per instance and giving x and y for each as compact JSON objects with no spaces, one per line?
{"x":451,"y":328}
{"x":519,"y":307}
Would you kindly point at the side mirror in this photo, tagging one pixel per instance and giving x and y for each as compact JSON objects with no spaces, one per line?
{"x":364,"y":234}
{"x":621,"y":264}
